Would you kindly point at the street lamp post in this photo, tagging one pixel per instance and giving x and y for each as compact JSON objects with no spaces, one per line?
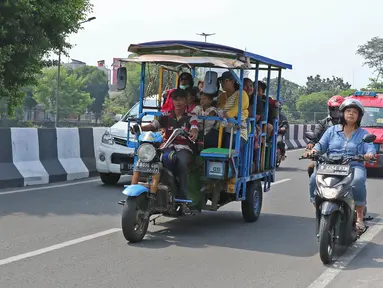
{"x":205,"y":35}
{"x":58,"y":78}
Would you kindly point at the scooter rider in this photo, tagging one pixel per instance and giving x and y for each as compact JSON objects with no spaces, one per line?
{"x":345,"y":138}
{"x":331,"y":120}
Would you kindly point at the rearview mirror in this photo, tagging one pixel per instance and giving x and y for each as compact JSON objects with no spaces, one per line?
{"x":210,"y":84}
{"x":310,"y":135}
{"x":369,"y":138}
{"x":121,"y":78}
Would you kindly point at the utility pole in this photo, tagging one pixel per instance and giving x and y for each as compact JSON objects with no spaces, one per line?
{"x":205,"y":35}
{"x":58,"y":78}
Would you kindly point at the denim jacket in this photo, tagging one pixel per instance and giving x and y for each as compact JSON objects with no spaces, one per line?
{"x":334,"y":141}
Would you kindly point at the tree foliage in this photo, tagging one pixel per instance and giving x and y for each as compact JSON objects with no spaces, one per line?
{"x":311,"y":103}
{"x":73,"y":97}
{"x":317,"y":84}
{"x":124,"y":100}
{"x":289,"y":91}
{"x":95,"y":82}
{"x":372,"y":52}
{"x":29,"y":30}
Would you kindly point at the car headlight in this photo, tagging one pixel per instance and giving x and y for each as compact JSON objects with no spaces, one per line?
{"x":146,"y":152}
{"x":107,"y":138}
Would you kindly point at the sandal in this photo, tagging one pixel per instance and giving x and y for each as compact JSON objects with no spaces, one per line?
{"x":185,"y":208}
{"x":360,"y":226}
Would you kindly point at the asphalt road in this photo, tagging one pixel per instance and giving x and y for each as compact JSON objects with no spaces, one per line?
{"x":214,"y":249}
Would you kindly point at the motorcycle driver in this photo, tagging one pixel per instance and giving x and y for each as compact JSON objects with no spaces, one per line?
{"x":331,"y":120}
{"x":282,"y":130}
{"x":344,"y":138}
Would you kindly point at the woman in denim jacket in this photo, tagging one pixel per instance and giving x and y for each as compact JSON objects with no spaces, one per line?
{"x":343,"y":139}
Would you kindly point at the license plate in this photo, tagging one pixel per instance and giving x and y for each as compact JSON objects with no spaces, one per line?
{"x":126,"y":167}
{"x":216,"y":168}
{"x":152,"y":168}
{"x":333,"y":169}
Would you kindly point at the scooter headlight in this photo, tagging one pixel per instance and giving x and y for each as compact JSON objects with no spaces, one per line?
{"x":330,"y":193}
{"x":146,"y":152}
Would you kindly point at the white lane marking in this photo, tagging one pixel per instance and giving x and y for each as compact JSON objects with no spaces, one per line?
{"x":330,"y":273}
{"x":48,"y":187}
{"x":53,"y":186}
{"x":57,"y":246}
{"x":280,"y":181}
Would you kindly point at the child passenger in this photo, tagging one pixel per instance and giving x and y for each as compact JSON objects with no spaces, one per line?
{"x":192,"y":100}
{"x":206,"y":108}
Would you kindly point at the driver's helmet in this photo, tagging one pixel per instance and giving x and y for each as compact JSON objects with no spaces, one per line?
{"x":352,"y":103}
{"x":333,"y":106}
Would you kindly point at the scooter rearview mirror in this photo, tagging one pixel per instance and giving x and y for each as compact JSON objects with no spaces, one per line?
{"x":369,"y":138}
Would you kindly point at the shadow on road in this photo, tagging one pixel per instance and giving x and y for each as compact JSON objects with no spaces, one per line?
{"x":272,"y":233}
{"x":91,"y":198}
{"x":289,"y":169}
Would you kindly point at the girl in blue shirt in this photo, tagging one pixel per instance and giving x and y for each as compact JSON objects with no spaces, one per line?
{"x":343,"y":139}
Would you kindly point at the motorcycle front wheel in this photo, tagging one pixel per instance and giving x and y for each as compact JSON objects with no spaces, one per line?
{"x":134,"y":220}
{"x":327,"y":237}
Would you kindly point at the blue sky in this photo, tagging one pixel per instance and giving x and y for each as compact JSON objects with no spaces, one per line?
{"x":315,"y":37}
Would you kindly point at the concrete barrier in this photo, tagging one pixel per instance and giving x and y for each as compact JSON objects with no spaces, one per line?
{"x":26,"y":156}
{"x":31,"y":156}
{"x":295,"y":135}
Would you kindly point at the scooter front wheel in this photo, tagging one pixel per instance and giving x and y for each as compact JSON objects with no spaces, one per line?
{"x":135,"y":218}
{"x":327,"y":237}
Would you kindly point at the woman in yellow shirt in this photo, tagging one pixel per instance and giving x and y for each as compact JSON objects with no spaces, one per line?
{"x":228,"y":102}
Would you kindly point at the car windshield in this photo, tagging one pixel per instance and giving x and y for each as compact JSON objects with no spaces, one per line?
{"x":133,"y":112}
{"x":373,"y":117}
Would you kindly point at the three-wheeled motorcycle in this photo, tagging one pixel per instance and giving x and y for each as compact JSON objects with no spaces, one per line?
{"x":218,"y":175}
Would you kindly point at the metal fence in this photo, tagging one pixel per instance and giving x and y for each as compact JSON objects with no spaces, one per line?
{"x":302,"y":117}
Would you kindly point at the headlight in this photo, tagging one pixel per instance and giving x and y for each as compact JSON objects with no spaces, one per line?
{"x":330,"y":193}
{"x":107,"y":138}
{"x":146,"y":152}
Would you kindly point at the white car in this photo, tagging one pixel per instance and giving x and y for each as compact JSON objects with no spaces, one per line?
{"x":113,"y":150}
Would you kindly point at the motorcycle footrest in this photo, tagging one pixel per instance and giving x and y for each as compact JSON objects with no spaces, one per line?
{"x":182,"y":200}
{"x":122,"y":202}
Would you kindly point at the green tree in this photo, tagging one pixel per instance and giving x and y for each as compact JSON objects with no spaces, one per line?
{"x":346,"y":93}
{"x":73,"y":98}
{"x":122,"y":102}
{"x":289,"y":92}
{"x":317,"y":84}
{"x":309,"y":105}
{"x":96,"y":84}
{"x":374,"y":85}
{"x":372,"y":52}
{"x":29,"y":30}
